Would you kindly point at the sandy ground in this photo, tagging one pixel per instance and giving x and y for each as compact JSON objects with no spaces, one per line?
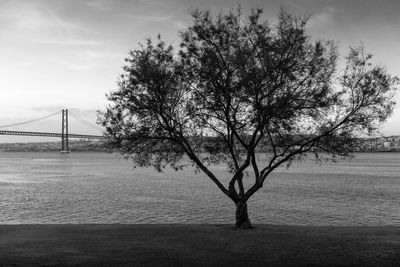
{"x":197,"y":245}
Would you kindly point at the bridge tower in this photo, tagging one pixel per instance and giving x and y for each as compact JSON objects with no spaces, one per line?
{"x":64,"y":132}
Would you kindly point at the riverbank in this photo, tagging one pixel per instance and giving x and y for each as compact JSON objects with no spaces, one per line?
{"x":197,"y":245}
{"x":80,"y":145}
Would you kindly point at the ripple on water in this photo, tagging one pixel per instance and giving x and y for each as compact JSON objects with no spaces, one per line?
{"x":98,"y":188}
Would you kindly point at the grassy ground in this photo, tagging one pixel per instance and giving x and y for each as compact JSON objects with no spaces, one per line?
{"x":197,"y":245}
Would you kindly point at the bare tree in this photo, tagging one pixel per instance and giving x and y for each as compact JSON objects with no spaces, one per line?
{"x":238,"y":88}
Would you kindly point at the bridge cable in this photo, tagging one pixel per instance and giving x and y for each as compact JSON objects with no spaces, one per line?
{"x":34,"y":120}
{"x":77,"y":117}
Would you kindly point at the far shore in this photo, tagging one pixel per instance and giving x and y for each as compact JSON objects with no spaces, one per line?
{"x":197,"y":245}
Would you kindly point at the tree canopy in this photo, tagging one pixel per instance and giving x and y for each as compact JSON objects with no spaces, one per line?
{"x":237,"y":87}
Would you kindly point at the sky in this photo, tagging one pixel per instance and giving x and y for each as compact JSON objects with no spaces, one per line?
{"x":58,"y":54}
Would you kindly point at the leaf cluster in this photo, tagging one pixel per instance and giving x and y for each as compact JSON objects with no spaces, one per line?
{"x":237,"y":87}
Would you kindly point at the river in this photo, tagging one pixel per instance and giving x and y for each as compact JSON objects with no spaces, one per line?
{"x":104,"y":188}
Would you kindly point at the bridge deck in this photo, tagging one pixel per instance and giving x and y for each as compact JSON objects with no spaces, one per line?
{"x":70,"y":135}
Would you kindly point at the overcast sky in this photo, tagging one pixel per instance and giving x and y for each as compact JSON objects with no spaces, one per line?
{"x":68,"y":53}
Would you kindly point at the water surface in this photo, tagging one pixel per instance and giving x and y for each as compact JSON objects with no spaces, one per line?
{"x":103,"y":188}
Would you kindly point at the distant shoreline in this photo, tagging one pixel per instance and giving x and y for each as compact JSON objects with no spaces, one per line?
{"x":363,"y":145}
{"x":55,"y":151}
{"x":198,"y":245}
{"x":104,"y":150}
{"x":74,"y":145}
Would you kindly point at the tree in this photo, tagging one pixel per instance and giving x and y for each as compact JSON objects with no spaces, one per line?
{"x":240,"y":88}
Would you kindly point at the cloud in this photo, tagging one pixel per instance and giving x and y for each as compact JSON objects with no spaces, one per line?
{"x":40,"y":24}
{"x":77,"y":66}
{"x":33,"y":17}
{"x":65,"y":40}
{"x":97,"y":4}
{"x":88,"y":60}
{"x":157,"y":19}
{"x":323,"y":18}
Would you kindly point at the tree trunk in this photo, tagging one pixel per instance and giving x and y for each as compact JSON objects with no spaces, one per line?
{"x":242,"y":217}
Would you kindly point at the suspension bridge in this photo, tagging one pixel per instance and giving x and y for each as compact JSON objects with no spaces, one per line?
{"x":63,"y":124}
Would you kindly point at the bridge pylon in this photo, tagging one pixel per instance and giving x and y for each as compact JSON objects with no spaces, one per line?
{"x":64,"y":131}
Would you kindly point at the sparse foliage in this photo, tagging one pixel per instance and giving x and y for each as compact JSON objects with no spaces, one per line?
{"x":238,"y":87}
